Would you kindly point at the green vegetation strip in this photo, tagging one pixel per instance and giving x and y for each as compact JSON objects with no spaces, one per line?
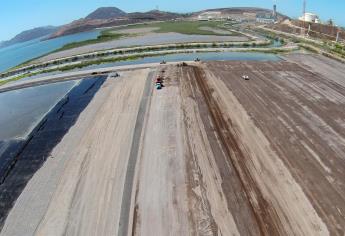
{"x":136,"y":50}
{"x":79,"y":66}
{"x":124,"y":58}
{"x":105,"y":36}
{"x":326,"y":48}
{"x":182,"y":27}
{"x":2,"y":82}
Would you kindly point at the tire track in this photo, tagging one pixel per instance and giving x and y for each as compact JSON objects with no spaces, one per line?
{"x":133,"y":156}
{"x":265,"y":216}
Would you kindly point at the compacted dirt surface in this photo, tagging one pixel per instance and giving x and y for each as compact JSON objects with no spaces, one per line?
{"x":284,"y":133}
{"x":208,"y":154}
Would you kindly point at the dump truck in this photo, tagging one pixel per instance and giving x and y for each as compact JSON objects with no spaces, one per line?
{"x":159,"y":82}
{"x":158,"y":86}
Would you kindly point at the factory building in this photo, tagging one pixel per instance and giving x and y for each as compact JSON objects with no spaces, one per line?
{"x":265,"y":18}
{"x":310,"y":17}
{"x":221,"y":16}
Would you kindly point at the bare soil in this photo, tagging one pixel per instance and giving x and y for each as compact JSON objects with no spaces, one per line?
{"x":217,"y":155}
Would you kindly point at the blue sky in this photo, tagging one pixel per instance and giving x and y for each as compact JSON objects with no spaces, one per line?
{"x":19,"y":15}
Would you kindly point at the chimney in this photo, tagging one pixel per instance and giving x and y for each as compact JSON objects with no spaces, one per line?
{"x":275,"y":11}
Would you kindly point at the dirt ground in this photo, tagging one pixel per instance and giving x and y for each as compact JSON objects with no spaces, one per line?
{"x":83,"y":197}
{"x":208,"y":154}
{"x":285,"y":132}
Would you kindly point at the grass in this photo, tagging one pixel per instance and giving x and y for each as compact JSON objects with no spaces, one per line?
{"x":2,"y":82}
{"x":78,"y":66}
{"x":188,"y":27}
{"x":327,"y":48}
{"x":182,"y":27}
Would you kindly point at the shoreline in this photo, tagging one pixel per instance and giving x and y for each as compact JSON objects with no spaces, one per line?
{"x":73,"y":63}
{"x":134,"y":49}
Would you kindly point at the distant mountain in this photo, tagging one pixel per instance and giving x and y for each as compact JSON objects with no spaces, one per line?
{"x":105,"y":13}
{"x":155,"y":15}
{"x":112,"y":16}
{"x":30,"y":35}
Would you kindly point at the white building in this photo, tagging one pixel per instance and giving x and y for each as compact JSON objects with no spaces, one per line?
{"x":310,"y":17}
{"x":210,"y":15}
{"x":265,"y":18}
{"x":221,"y":16}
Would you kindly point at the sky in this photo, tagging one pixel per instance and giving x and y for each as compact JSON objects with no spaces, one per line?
{"x":19,"y":15}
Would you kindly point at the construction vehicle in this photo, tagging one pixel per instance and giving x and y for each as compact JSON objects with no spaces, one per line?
{"x":159,"y":82}
{"x":245,"y":77}
{"x":113,"y":75}
{"x":159,"y":85}
{"x":182,"y":64}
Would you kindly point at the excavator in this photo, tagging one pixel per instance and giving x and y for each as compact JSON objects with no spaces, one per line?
{"x":159,"y":83}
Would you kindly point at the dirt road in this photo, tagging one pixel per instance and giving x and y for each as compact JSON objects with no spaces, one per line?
{"x":133,"y":157}
{"x":208,"y":154}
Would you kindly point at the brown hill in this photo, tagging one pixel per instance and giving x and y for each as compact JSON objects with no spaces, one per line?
{"x":111,"y":16}
{"x":106,"y":17}
{"x":104,"y":13}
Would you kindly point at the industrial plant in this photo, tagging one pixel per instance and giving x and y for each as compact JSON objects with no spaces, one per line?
{"x":260,"y":16}
{"x":308,"y":17}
